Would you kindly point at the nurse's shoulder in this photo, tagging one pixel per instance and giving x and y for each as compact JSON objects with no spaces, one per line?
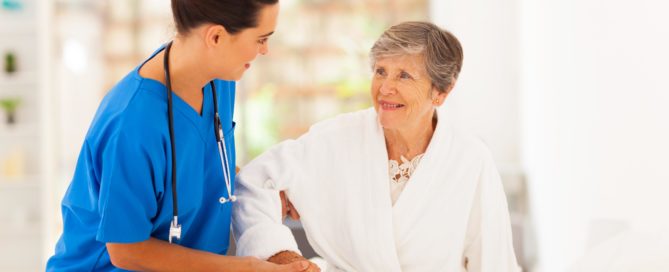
{"x":134,"y":107}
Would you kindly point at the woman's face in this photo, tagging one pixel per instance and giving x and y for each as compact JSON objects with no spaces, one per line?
{"x":402,"y":92}
{"x":243,"y":47}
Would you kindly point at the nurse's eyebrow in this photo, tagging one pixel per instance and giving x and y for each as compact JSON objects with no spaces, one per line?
{"x":266,"y":35}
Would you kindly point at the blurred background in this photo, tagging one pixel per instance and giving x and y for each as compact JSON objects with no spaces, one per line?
{"x":570,"y":96}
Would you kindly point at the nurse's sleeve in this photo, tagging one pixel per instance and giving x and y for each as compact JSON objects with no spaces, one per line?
{"x":127,"y":201}
{"x":257,"y":221}
{"x":489,"y":244}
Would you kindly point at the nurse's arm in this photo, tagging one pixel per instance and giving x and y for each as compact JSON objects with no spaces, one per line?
{"x":158,"y":255}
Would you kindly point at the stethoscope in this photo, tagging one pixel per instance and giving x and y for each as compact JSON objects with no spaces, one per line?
{"x":175,"y":227}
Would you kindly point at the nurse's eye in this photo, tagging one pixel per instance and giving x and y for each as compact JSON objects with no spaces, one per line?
{"x":262,"y":41}
{"x":405,"y":75}
{"x":380,"y":72}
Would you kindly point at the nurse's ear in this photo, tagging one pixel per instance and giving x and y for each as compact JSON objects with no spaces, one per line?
{"x":215,"y":35}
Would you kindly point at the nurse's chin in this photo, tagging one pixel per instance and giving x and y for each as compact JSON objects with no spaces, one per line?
{"x":238,"y":75}
{"x":235,"y":77}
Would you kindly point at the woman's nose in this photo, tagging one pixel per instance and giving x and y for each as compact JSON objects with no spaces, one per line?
{"x":388,"y":87}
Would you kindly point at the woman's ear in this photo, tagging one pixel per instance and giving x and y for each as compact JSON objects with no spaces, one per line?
{"x":215,"y":35}
{"x":439,"y":96}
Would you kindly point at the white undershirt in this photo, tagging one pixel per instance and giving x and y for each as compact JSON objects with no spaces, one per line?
{"x":400,"y":174}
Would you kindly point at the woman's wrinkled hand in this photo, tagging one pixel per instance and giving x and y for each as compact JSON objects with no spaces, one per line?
{"x":265,"y":266}
{"x":289,"y":257}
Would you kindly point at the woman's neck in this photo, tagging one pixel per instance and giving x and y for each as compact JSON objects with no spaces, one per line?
{"x":411,"y":141}
{"x":186,"y":74}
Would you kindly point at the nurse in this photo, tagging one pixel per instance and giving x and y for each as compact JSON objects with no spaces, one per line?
{"x":119,"y":211}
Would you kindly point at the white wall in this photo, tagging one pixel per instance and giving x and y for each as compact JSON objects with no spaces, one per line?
{"x":574,"y":91}
{"x":485,"y":99}
{"x":595,"y":119}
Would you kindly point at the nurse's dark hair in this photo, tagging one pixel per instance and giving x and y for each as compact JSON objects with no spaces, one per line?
{"x":234,"y":15}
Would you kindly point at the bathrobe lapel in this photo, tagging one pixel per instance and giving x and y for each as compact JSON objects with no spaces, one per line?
{"x":380,"y":206}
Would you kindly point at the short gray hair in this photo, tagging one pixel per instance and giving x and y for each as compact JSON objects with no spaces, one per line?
{"x":441,"y":50}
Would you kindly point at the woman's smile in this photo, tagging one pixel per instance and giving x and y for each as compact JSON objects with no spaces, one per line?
{"x":390,"y":106}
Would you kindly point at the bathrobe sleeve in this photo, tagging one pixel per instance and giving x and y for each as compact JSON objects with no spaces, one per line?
{"x":489,"y":244}
{"x":257,"y":221}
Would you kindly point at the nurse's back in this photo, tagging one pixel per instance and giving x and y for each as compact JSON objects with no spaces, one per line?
{"x":78,"y":249}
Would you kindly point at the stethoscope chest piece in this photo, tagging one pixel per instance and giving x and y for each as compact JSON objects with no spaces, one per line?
{"x":175,"y":230}
{"x":224,"y":200}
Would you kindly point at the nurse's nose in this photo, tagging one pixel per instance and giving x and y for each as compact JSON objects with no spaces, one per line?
{"x":264,"y":49}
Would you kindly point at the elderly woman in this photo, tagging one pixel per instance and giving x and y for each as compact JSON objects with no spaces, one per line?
{"x":390,"y":188}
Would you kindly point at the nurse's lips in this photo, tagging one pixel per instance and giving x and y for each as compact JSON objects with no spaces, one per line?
{"x":247,"y":66}
{"x":389,"y":106}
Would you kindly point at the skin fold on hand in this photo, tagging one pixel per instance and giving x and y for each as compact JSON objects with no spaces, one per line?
{"x":286,"y":257}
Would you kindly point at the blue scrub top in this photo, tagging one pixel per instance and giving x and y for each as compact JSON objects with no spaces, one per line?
{"x":121,"y":191}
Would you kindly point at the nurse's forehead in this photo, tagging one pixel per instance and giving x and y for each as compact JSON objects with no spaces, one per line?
{"x":267,"y":19}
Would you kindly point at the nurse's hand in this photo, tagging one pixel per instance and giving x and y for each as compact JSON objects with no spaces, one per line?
{"x":287,"y":208}
{"x":287,"y":257}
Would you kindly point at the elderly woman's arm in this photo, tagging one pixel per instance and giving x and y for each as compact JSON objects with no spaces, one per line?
{"x":489,"y":244}
{"x":257,"y":218}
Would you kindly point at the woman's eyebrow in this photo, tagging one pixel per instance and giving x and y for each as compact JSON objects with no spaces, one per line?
{"x":267,"y":35}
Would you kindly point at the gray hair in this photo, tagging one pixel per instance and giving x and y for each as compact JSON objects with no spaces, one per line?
{"x":441,"y":50}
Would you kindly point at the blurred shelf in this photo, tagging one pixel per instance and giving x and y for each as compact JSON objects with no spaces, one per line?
{"x":27,"y":131}
{"x":21,"y":253}
{"x":21,"y":27}
{"x":21,"y":232}
{"x":25,"y":91}
{"x":28,"y":182}
{"x":25,"y":32}
{"x":20,"y":78}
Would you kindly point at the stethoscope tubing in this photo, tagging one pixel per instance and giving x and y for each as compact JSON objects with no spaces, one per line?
{"x":175,"y":227}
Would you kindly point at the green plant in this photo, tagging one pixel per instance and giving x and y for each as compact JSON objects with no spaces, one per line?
{"x":10,"y":63}
{"x":10,"y":105}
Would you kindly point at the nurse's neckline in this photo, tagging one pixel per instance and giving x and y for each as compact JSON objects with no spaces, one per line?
{"x":183,"y":76}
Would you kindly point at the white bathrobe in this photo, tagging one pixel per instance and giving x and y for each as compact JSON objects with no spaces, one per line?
{"x":451,"y":216}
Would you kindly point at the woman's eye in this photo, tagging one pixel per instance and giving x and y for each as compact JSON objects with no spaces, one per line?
{"x":405,"y":75}
{"x":380,"y":72}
